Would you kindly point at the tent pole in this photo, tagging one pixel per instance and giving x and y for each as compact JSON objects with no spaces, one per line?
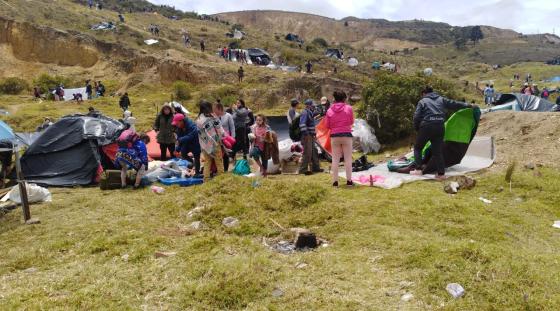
{"x":22,"y":188}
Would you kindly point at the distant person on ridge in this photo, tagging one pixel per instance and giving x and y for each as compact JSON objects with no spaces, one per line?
{"x":89,"y":90}
{"x":124,"y":102}
{"x":240,"y":74}
{"x":429,"y":120}
{"x":308,"y":67}
{"x":202,"y":45}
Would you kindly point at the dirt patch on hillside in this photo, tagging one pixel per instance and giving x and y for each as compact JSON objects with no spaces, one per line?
{"x":523,"y":136}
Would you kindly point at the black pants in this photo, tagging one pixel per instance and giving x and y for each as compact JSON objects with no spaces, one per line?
{"x":430,"y":133}
{"x":195,"y":159}
{"x":242,"y":141}
{"x":163,"y":149}
{"x":226,"y":161}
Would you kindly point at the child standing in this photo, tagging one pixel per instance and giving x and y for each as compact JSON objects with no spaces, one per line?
{"x":259,"y":131}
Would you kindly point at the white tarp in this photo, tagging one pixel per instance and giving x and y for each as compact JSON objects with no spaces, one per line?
{"x":480,"y":155}
{"x":151,"y":41}
{"x":69,"y":93}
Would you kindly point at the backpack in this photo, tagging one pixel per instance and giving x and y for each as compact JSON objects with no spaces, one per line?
{"x":241,"y":168}
{"x":127,"y":139}
{"x":295,"y":132}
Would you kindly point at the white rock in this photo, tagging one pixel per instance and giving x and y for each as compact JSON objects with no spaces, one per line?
{"x":455,"y":290}
{"x":165,"y":254}
{"x":230,"y":222}
{"x":407,"y":297}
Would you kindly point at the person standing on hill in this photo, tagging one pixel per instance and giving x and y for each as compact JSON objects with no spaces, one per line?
{"x":202,"y":45}
{"x":308,"y":136}
{"x":90,"y":4}
{"x":228,"y":125}
{"x":240,"y":74}
{"x":429,"y":120}
{"x":340,"y":119}
{"x":240,"y":119}
{"x":292,"y":112}
{"x":309,"y":67}
{"x":164,"y":129}
{"x":100,"y":89}
{"x":89,"y":90}
{"x":210,"y":135}
{"x":124,"y":102}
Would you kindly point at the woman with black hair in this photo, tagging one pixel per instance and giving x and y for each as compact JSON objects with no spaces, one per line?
{"x":240,"y":120}
{"x":210,"y":135}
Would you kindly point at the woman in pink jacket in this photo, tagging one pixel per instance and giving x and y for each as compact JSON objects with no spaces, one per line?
{"x":340,"y":119}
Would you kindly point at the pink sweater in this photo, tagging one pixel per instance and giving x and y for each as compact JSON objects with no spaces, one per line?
{"x":340,"y":118}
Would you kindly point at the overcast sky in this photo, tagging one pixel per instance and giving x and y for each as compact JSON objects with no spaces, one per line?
{"x":529,"y":16}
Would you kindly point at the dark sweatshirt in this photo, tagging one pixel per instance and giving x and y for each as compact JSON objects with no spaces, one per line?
{"x":431,"y":109}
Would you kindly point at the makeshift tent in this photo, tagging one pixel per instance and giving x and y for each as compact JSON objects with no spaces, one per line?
{"x":69,"y":152}
{"x":69,"y":93}
{"x":294,"y":38}
{"x":279,"y":124}
{"x":237,"y":34}
{"x":335,"y":53}
{"x":522,"y":102}
{"x":28,"y":138}
{"x":353,"y":62}
{"x":363,"y":135}
{"x":259,"y":56}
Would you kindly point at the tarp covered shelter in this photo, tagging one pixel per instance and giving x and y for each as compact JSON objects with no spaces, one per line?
{"x":70,"y":152}
{"x":294,"y":38}
{"x":259,"y":56}
{"x":522,"y":102}
{"x":335,"y":53}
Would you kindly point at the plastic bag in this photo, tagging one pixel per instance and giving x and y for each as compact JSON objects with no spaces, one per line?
{"x":365,"y":134}
{"x":35,"y":194}
{"x":242,"y":168}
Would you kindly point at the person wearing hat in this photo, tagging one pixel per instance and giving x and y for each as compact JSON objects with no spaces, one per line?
{"x":307,"y":128}
{"x":187,"y":140}
{"x":292,"y":112}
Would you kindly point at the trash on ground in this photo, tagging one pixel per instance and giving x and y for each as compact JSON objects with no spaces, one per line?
{"x":160,"y":254}
{"x":35,"y":194}
{"x":451,"y":187}
{"x":485,"y":200}
{"x":195,"y":211}
{"x":157,"y":190}
{"x":556,"y":224}
{"x":301,"y":265}
{"x":455,"y":290}
{"x":151,"y":41}
{"x":33,"y":221}
{"x":230,"y":222}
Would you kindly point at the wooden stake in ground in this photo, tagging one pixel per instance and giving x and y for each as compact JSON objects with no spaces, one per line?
{"x":22,"y":188}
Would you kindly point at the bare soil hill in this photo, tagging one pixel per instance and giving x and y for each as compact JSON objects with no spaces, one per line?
{"x":525,"y":137}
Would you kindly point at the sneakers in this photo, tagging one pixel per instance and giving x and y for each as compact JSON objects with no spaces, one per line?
{"x":335,"y":184}
{"x":349,"y":183}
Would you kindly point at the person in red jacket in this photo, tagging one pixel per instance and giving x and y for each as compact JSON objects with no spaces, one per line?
{"x":340,"y":118}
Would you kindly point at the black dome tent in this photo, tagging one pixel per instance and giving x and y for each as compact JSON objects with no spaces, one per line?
{"x":69,"y":152}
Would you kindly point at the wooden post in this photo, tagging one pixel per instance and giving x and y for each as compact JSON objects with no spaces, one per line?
{"x":22,"y":188}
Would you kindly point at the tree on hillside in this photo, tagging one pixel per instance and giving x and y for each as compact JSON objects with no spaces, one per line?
{"x":320,"y":42}
{"x":460,"y":43}
{"x":476,"y":34}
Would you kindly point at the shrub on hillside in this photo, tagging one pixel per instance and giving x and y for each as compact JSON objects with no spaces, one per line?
{"x":13,"y":86}
{"x":46,"y":82}
{"x":389,"y":102}
{"x":321,"y":42}
{"x":182,"y":90}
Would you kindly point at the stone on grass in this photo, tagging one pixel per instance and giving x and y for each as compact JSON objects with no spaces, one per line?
{"x":33,"y":221}
{"x":455,"y":290}
{"x":31,"y":270}
{"x":301,"y":265}
{"x":230,"y":222}
{"x":407,"y":297}
{"x":160,"y":254}
{"x":530,"y":166}
{"x":125,"y":257}
{"x":277,"y":292}
{"x":195,"y":211}
{"x":196,"y":225}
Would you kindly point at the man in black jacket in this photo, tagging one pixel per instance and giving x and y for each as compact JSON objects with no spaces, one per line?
{"x":429,"y":120}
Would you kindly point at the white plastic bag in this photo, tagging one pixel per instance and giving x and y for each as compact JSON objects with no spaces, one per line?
{"x":365,"y":134}
{"x":35,"y":194}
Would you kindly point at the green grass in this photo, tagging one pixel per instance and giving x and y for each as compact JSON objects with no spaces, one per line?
{"x":504,"y":254}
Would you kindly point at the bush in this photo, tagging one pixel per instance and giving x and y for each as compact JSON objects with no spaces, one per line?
{"x":320,"y":42}
{"x":46,"y":82}
{"x":13,"y":86}
{"x":392,"y":99}
{"x":182,"y":90}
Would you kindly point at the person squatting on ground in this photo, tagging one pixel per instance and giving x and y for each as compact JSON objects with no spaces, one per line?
{"x":187,"y":140}
{"x":210,"y":135}
{"x":429,"y":120}
{"x":307,"y":128}
{"x":340,"y":119}
{"x":228,"y":125}
{"x":165,"y":134}
{"x":258,"y":133}
{"x":132,"y":154}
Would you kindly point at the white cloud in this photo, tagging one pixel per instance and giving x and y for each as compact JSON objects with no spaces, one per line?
{"x":524,"y":16}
